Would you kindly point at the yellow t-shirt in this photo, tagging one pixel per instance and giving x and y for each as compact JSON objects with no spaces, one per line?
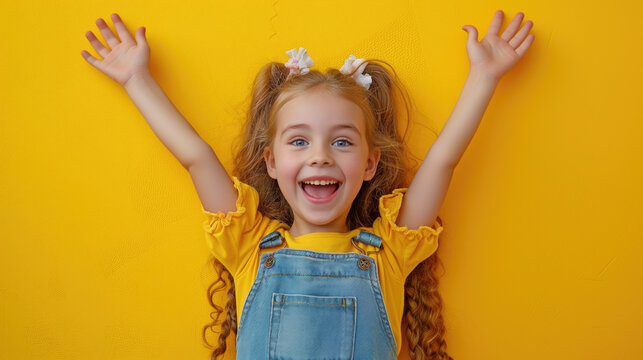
{"x":233,"y":238}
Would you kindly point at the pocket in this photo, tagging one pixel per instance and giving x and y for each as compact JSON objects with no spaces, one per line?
{"x":312,"y":327}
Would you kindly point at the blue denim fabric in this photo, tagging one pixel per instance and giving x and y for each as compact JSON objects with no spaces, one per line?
{"x":309,"y":305}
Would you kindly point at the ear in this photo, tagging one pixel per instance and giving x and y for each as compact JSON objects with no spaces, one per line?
{"x":371,"y":165}
{"x":269,"y":158}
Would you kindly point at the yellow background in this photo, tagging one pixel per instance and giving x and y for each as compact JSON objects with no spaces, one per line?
{"x":102,"y":254}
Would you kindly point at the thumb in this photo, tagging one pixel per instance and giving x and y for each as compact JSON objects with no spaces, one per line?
{"x":472,"y":32}
{"x":140,"y":35}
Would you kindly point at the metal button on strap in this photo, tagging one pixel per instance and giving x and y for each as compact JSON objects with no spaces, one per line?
{"x":364,"y":263}
{"x":269,"y":262}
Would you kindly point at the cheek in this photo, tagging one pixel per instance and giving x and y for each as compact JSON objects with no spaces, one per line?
{"x":354,"y":167}
{"x":287,"y":166}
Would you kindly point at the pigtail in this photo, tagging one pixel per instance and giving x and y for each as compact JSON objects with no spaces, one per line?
{"x":251,"y":169}
{"x":389,"y":105}
{"x":230,"y":322}
{"x":423,"y":312}
{"x":249,"y":165}
{"x":392,"y":107}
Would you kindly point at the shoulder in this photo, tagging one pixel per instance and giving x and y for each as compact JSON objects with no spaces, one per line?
{"x":403,"y":248}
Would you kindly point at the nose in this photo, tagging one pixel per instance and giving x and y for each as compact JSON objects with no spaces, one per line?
{"x":319,"y":156}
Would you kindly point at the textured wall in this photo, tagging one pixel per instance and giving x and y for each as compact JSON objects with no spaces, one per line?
{"x":102,"y":255}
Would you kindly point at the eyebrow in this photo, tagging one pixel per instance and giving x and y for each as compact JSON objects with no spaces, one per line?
{"x":306,"y":126}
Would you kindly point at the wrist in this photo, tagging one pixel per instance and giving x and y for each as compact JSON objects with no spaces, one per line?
{"x":137,"y":77}
{"x":482,"y":76}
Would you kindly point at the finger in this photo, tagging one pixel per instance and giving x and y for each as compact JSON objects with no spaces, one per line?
{"x":472,"y":34}
{"x":121,"y":29}
{"x":140,"y":36}
{"x":92,"y":60}
{"x":511,"y":29}
{"x":522,"y":49}
{"x":521,"y":35}
{"x":496,"y":23}
{"x":97,"y":45}
{"x":109,"y":37}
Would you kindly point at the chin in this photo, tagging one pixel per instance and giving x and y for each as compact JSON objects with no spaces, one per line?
{"x":319,"y":220}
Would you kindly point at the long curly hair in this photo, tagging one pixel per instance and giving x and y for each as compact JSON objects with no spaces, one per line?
{"x":386,"y":107}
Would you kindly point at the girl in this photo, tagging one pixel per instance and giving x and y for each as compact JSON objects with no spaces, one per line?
{"x":325,"y":249}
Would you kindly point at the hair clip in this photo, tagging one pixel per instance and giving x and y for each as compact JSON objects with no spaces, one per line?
{"x":349,"y":66}
{"x":299,"y":61}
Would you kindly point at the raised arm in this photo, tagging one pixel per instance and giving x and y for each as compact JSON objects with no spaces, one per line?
{"x":489,"y":60}
{"x":211,"y":181}
{"x":127,"y":64}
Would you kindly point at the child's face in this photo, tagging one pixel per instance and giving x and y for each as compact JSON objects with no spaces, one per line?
{"x":320,"y":134}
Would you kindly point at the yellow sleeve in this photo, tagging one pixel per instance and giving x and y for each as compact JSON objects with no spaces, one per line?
{"x":405,"y":247}
{"x":233,"y":238}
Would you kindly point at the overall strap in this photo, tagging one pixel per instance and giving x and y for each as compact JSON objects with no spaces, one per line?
{"x":368,"y":238}
{"x":272,"y":239}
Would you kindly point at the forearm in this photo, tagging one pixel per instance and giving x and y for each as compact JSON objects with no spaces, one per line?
{"x":165,"y":120}
{"x":464,"y":119}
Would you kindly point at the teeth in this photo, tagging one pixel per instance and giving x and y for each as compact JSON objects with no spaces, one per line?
{"x":320,"y":182}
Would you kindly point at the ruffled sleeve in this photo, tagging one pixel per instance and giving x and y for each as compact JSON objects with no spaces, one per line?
{"x":233,"y":237}
{"x":405,"y":247}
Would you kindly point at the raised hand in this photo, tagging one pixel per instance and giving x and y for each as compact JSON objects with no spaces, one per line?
{"x":495,"y":55}
{"x":126,"y":57}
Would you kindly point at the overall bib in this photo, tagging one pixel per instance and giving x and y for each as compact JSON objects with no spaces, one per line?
{"x":315,"y":305}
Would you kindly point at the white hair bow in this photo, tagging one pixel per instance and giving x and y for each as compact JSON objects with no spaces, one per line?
{"x":350,"y":64}
{"x":299,"y":61}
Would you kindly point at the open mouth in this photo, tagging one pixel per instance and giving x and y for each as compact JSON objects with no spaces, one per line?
{"x":320,"y":189}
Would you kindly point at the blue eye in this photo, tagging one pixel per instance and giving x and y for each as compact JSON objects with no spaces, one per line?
{"x":298,"y":142}
{"x":346,"y":142}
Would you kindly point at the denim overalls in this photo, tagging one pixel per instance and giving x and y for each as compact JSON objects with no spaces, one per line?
{"x":308,"y":304}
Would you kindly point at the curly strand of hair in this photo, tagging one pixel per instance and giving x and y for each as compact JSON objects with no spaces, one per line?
{"x":434,"y":302}
{"x":423,"y":311}
{"x":414,"y":325}
{"x":230,"y":323}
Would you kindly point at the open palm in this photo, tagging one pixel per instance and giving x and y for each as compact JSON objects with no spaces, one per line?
{"x":494,"y":54}
{"x":126,"y":57}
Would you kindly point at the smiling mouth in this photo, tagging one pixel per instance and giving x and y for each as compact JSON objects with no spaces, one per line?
{"x":319,"y":191}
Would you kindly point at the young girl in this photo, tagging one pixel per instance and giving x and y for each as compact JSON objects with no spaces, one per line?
{"x":325,"y":249}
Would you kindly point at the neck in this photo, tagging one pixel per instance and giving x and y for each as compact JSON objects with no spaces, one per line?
{"x":301,"y":227}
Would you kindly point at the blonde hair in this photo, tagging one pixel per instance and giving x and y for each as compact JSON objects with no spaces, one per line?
{"x":381,"y":105}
